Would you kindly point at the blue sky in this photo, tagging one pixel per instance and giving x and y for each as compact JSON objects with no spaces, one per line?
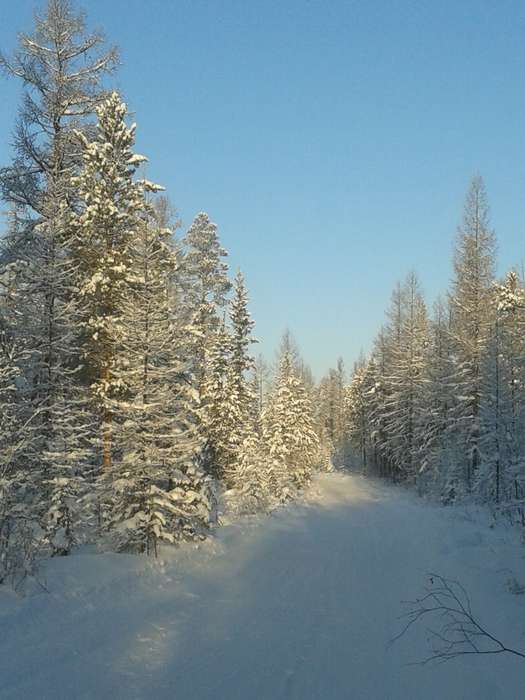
{"x":331,"y":142}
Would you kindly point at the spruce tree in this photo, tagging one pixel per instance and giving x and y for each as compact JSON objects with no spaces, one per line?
{"x":221,"y":412}
{"x":288,"y":432}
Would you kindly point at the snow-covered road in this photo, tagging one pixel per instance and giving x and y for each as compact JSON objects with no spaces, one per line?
{"x":298,"y":606}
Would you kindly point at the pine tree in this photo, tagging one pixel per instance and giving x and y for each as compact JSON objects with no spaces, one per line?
{"x":204,"y":278}
{"x":112,"y":212}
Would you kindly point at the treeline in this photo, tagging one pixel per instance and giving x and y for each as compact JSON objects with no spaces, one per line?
{"x":128,"y":391}
{"x":440,"y":401}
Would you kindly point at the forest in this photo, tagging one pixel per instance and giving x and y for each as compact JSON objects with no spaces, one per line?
{"x":185,"y":510}
{"x":131,"y":399}
{"x":129,"y":395}
{"x":440,"y":401}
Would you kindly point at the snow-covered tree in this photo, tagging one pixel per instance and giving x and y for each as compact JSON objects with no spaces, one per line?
{"x":330,"y":410}
{"x":438,"y":466}
{"x":222,"y":420}
{"x":154,"y":490}
{"x":255,"y":484}
{"x":9,"y":405}
{"x":472,"y":315}
{"x":403,"y":410}
{"x":241,"y":339}
{"x":51,"y":405}
{"x":384,"y":409}
{"x":111,"y":215}
{"x":204,"y":278}
{"x":260,"y":383}
{"x":61,"y":66}
{"x":501,"y":476}
{"x":357,"y":402}
{"x":56,"y":402}
{"x":288,"y":431}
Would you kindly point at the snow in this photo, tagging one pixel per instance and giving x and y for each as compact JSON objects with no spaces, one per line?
{"x":298,"y":605}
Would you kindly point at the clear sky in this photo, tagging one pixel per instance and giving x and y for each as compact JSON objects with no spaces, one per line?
{"x":332,"y":142}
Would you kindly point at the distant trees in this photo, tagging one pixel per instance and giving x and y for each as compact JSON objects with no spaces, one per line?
{"x":281,"y":447}
{"x":330,"y":419}
{"x":288,"y":430}
{"x":441,"y":399}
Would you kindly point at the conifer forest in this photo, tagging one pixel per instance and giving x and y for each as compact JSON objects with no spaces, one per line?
{"x":141,"y":427}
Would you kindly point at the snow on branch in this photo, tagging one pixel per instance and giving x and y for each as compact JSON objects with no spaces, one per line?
{"x":151,"y":186}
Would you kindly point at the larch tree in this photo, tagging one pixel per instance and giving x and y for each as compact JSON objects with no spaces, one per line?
{"x":357,"y":402}
{"x":472,"y":316}
{"x":44,"y":312}
{"x":437,"y":462}
{"x":63,"y":421}
{"x":501,"y":473}
{"x":61,"y":66}
{"x":377,"y":399}
{"x":406,"y":379}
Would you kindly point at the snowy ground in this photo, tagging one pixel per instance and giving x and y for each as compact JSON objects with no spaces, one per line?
{"x":299,"y":605}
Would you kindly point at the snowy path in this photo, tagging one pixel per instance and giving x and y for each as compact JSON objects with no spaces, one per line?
{"x":295,"y":607}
